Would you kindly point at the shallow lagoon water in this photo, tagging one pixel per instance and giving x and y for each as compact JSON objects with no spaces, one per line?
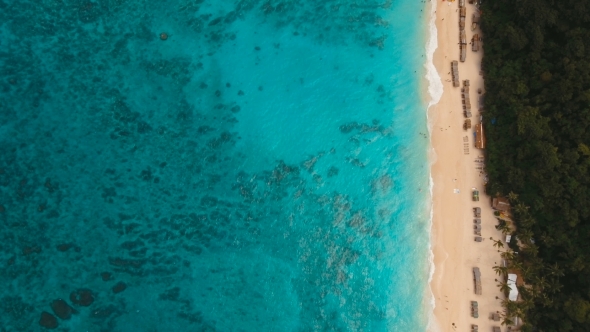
{"x":264,"y":168}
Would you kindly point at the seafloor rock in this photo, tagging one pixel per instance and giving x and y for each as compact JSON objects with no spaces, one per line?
{"x":47,"y":320}
{"x":31,"y":250}
{"x":62,"y":309}
{"x":64,"y":246}
{"x":119,"y":287}
{"x":106,"y":276}
{"x":82,"y":297}
{"x":102,"y":313}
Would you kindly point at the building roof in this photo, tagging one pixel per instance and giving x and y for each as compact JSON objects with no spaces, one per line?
{"x":501,"y":203}
{"x":480,"y":140}
{"x":513,"y":295}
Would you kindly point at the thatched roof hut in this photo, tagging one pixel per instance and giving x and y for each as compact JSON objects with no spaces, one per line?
{"x":480,"y":140}
{"x":500,"y":204}
{"x":475,"y":43}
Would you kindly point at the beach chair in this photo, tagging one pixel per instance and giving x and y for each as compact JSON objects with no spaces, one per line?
{"x":478,"y":239}
{"x":474,"y":309}
{"x":477,"y":212}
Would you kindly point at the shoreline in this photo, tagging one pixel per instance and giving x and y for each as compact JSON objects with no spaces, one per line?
{"x":453,"y":252}
{"x":435,"y":90}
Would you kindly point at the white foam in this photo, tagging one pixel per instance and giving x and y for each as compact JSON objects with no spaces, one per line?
{"x":435,"y":86}
{"x":435,"y":91}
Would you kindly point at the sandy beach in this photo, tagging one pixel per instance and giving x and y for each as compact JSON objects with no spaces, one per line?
{"x":453,"y":168}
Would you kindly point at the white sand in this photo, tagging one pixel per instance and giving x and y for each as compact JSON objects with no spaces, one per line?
{"x":454,"y":248}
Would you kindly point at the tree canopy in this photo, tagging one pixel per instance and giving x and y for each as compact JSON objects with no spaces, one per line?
{"x":537,"y":121}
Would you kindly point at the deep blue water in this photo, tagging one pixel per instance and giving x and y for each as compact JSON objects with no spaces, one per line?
{"x":262,"y":169}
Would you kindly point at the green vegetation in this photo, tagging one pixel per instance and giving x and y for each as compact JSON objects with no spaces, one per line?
{"x":537,"y":121}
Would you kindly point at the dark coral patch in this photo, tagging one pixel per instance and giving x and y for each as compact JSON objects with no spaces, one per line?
{"x":64,"y":246}
{"x":62,"y":309}
{"x":119,"y":287}
{"x":106,"y":276}
{"x":47,"y":320}
{"x":31,"y":250}
{"x":82,"y":297}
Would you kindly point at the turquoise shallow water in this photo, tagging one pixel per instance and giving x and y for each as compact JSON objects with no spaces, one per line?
{"x":262,"y":169}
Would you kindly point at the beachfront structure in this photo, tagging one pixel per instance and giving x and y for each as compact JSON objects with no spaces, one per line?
{"x":474,"y":20}
{"x":513,"y":295}
{"x":480,"y":103}
{"x":477,"y":280}
{"x":475,"y":43}
{"x":500,"y":204}
{"x":467,"y":124}
{"x":462,"y":52}
{"x":465,"y":99}
{"x":455,"y":73}
{"x":462,"y":37}
{"x":480,"y":140}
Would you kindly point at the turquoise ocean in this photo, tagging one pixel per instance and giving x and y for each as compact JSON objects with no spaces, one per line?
{"x":263,"y":168}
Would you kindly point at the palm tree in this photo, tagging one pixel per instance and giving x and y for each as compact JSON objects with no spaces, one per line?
{"x":531,"y":250}
{"x":525,"y":236}
{"x":541,"y":282}
{"x":513,"y":308}
{"x":515,"y":265}
{"x":505,"y":228}
{"x":508,"y":255}
{"x":555,"y":270}
{"x":527,"y":221}
{"x":527,"y":272}
{"x":501,"y":270}
{"x":512,"y":197}
{"x":554,"y":286}
{"x":520,"y":209}
{"x":507,"y":320}
{"x":498,"y":243}
{"x":504,"y":287}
